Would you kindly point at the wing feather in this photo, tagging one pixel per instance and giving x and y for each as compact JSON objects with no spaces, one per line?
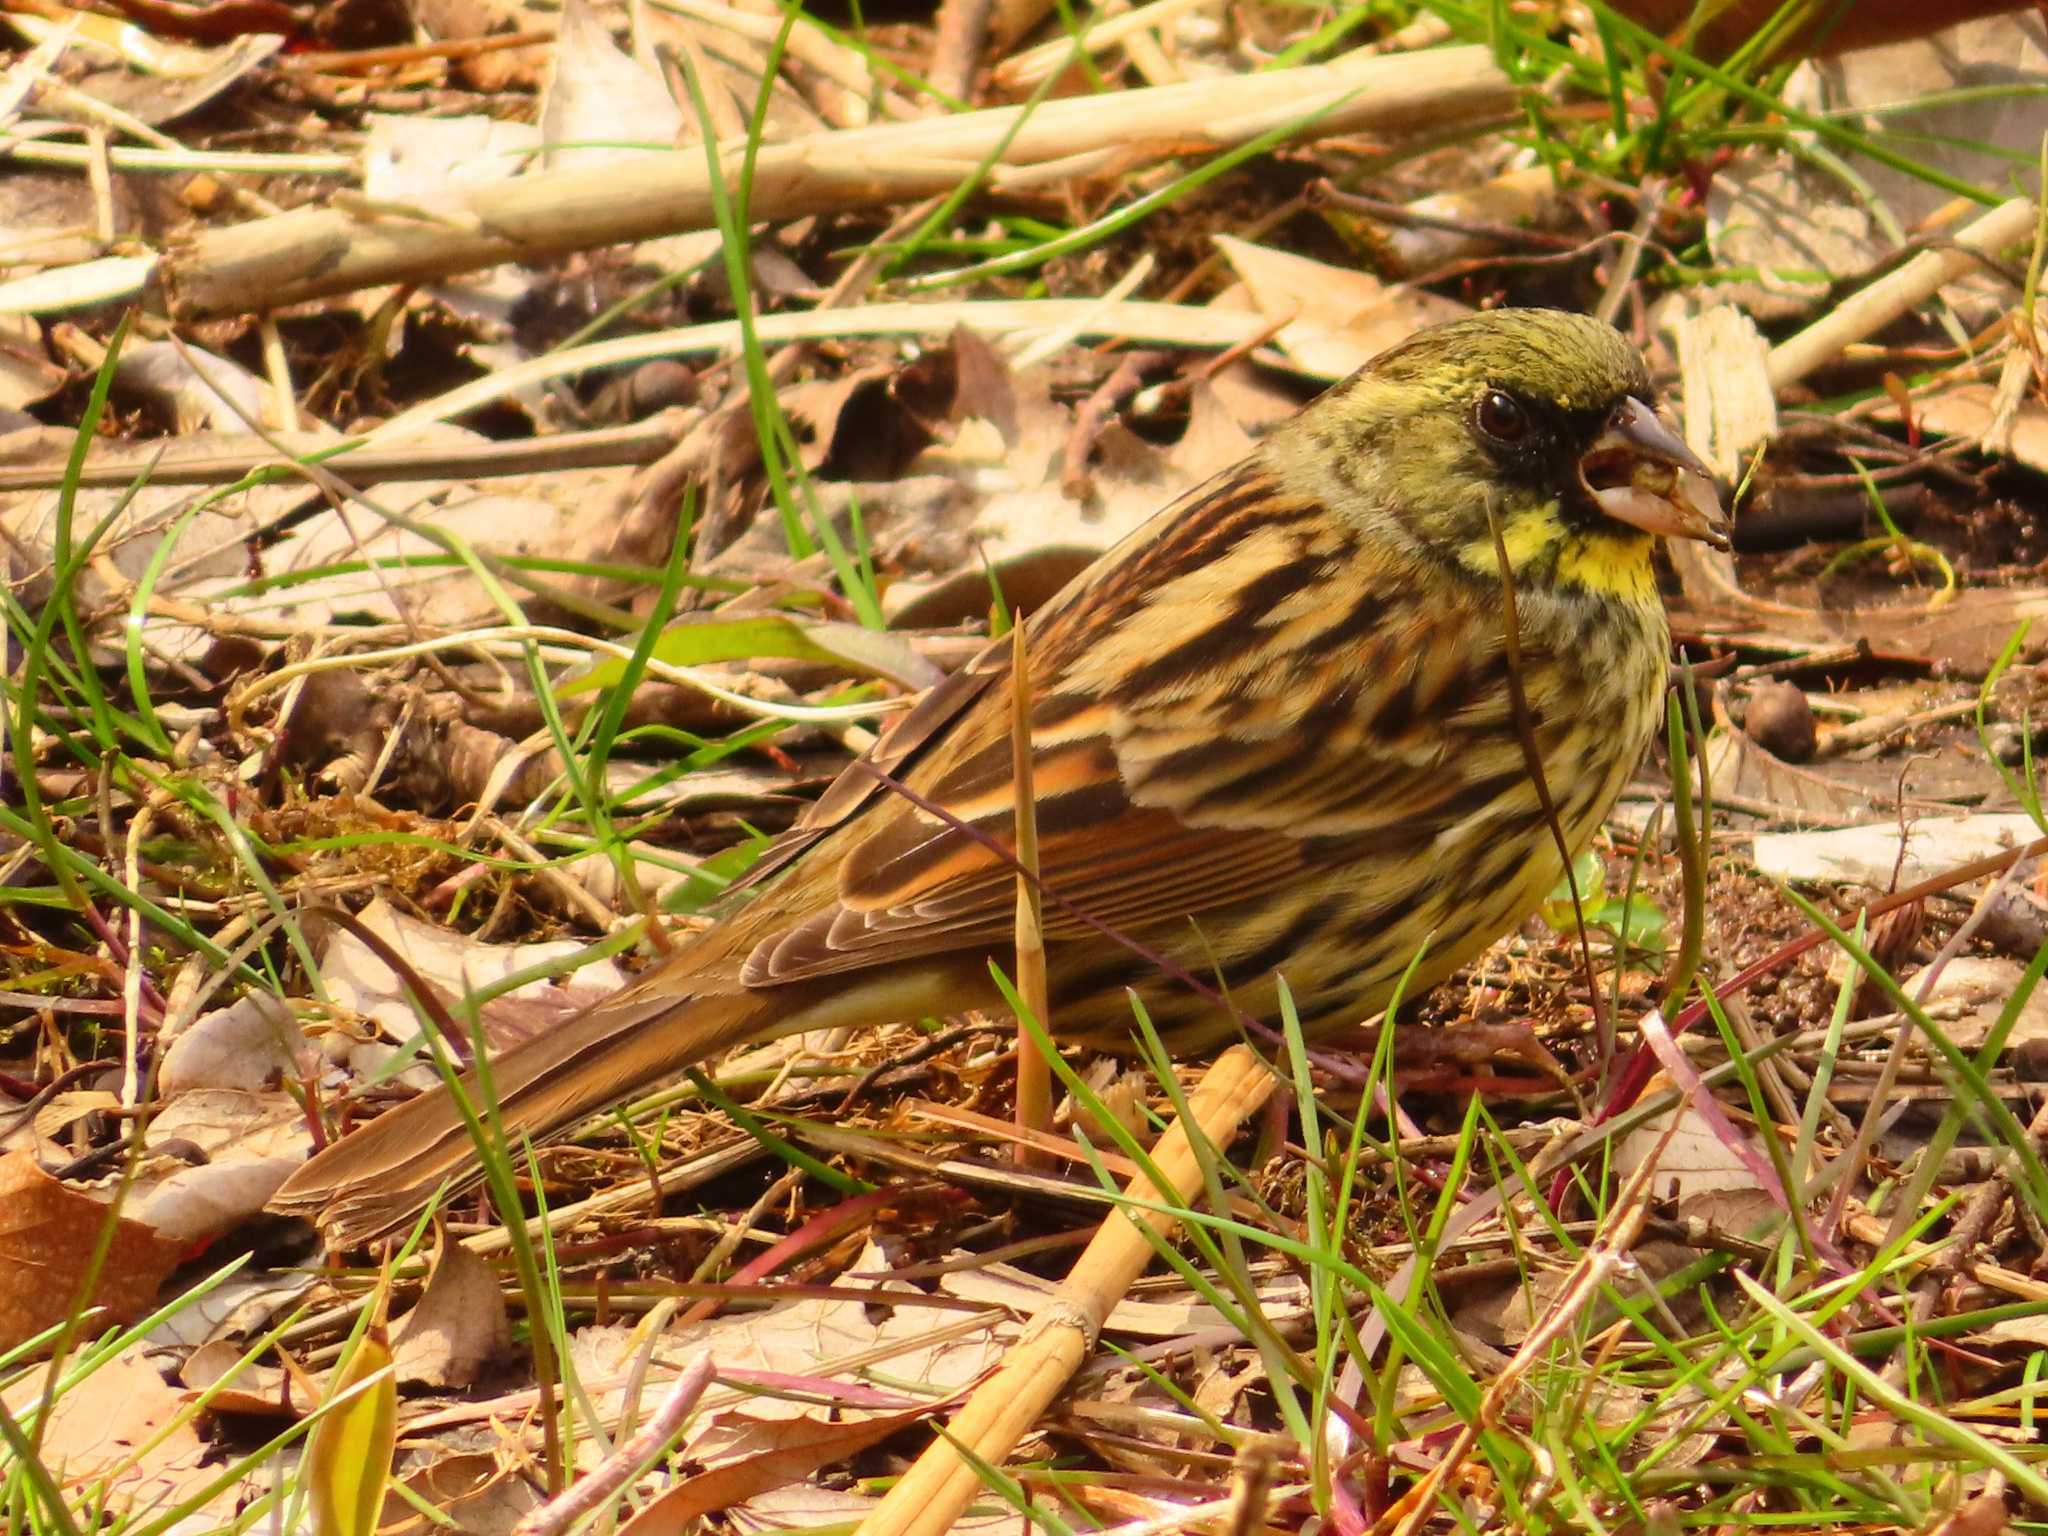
{"x":1169,"y":780}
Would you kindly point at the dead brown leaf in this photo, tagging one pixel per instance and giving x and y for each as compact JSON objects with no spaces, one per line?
{"x":458,"y":1329}
{"x":120,"y":1424}
{"x":482,"y":1497}
{"x":48,"y":1232}
{"x":796,"y":1448}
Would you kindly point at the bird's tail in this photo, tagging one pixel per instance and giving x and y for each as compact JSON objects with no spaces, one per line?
{"x":380,"y":1177}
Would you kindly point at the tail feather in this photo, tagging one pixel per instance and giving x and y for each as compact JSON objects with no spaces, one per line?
{"x":380,"y":1177}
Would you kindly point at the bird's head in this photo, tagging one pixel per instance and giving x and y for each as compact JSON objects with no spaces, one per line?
{"x":1535,"y":420}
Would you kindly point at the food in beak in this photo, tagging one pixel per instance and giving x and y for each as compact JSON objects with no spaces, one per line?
{"x":1639,"y":472}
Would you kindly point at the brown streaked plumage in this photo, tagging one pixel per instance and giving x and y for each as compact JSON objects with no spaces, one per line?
{"x":1272,"y":734}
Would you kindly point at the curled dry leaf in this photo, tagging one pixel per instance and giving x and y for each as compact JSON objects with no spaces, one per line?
{"x":232,"y":1150}
{"x":1977,"y":412}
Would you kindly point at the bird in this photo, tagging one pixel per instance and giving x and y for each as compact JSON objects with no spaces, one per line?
{"x":1283,"y":729}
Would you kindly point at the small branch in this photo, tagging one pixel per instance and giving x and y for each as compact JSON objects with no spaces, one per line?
{"x":625,"y":1463}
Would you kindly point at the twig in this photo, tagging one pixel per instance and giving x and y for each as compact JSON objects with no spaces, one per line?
{"x":1891,"y":296}
{"x":314,"y":252}
{"x":1076,"y":484}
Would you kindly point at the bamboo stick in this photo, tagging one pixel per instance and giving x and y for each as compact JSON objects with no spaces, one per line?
{"x":933,"y":1493}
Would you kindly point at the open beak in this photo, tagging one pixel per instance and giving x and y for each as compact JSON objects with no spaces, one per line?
{"x":1641,"y":474}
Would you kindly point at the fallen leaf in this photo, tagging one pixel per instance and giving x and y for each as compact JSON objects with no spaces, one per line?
{"x":126,"y":1427}
{"x":427,"y":162}
{"x":245,"y":1145}
{"x":480,"y":1496}
{"x":455,"y":964}
{"x":1978,"y":989}
{"x":1804,"y":228}
{"x":1332,"y":320}
{"x":249,"y":1045}
{"x":600,"y":106}
{"x":48,"y":1234}
{"x":459,"y":1326}
{"x":240,"y":1385}
{"x":1707,"y":1178}
{"x":26,"y":373}
{"x":1738,"y":766}
{"x":1972,"y":411}
{"x":1871,"y":855}
{"x":236,"y":1309}
{"x":199,"y":390}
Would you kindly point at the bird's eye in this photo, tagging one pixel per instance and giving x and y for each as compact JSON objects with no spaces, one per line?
{"x":1502,"y":417}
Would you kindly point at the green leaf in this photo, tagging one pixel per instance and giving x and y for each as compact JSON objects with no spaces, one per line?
{"x":1639,"y":923}
{"x":699,"y":642}
{"x":1590,"y":876}
{"x":348,"y":1459}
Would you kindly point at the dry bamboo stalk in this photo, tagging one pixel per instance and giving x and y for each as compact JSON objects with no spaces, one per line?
{"x":313,"y":252}
{"x":933,"y":1493}
{"x":1876,"y":306}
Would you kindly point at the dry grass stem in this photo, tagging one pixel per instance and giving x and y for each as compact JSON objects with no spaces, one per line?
{"x":1034,"y":1075}
{"x":1137,"y":321}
